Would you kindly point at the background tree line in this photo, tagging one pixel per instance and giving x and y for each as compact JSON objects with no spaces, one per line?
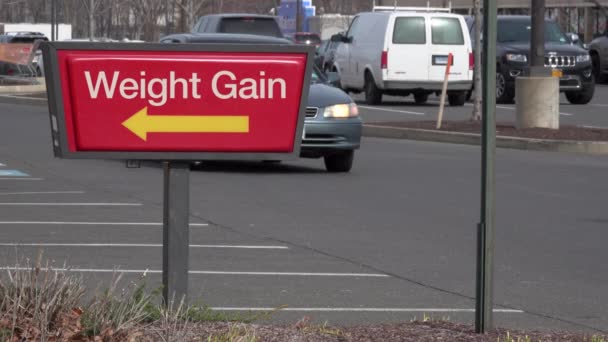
{"x":146,"y":19}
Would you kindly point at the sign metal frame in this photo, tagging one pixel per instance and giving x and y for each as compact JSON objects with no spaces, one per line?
{"x":57,"y":113}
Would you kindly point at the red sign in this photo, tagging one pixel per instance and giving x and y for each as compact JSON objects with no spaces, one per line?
{"x":181,"y":101}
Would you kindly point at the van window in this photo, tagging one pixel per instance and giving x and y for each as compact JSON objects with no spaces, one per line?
{"x":352,"y":30}
{"x":409,"y":30}
{"x":447,"y":31}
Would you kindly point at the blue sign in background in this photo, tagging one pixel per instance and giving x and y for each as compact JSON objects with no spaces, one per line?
{"x":288,"y":13}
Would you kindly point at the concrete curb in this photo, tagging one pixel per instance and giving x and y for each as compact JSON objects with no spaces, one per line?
{"x":23,"y":88}
{"x":586,"y":147}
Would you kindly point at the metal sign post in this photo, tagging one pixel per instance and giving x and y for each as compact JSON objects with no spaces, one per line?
{"x":485,"y":230}
{"x":176,"y":230}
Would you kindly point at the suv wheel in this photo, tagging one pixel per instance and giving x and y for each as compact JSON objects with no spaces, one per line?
{"x":457,"y":98}
{"x":340,"y":161}
{"x":421,"y":98}
{"x":583,"y":96}
{"x":503,"y":93}
{"x":373,"y":96}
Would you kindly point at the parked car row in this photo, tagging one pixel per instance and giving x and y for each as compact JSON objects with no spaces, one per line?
{"x":404,"y":53}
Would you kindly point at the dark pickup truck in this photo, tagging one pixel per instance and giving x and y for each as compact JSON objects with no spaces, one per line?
{"x":240,"y":23}
{"x":561,"y":55}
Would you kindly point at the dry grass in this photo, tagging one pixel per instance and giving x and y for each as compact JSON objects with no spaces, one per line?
{"x":35,"y":300}
{"x":116,"y":311}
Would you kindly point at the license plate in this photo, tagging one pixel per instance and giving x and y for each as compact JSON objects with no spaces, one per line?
{"x":440,"y":60}
{"x":557,"y":73}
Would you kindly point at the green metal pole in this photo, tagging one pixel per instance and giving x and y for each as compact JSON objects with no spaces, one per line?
{"x":485,"y":233}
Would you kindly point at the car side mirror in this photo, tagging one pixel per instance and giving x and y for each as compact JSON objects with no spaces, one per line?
{"x":336,"y":38}
{"x":333,"y":78}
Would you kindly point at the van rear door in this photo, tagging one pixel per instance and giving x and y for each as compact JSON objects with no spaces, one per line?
{"x":447,"y":36}
{"x":407,"y":49}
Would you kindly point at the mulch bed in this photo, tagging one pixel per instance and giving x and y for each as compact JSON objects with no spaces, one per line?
{"x":565,"y":132}
{"x":403,"y":332}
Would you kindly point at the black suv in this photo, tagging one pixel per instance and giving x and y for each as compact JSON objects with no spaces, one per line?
{"x":513,"y":54}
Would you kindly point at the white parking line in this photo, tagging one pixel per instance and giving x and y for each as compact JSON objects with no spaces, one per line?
{"x":133,"y":245}
{"x":514,"y":108}
{"x":41,"y":193}
{"x":21,"y":178}
{"x":392,"y":110}
{"x":452,"y":310}
{"x":295,"y":274}
{"x":66,"y":223}
{"x":72,"y":204}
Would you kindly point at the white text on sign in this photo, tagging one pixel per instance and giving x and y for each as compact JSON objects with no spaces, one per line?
{"x":225,"y":85}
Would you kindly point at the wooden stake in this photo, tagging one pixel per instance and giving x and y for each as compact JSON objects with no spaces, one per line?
{"x":444,"y":90}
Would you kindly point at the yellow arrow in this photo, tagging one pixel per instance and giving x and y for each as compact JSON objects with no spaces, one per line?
{"x":141,"y":124}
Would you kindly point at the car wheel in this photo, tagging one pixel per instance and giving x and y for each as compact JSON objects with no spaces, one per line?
{"x":421,"y":98}
{"x":597,"y":69}
{"x":340,"y":161}
{"x":503,"y":93}
{"x":373,"y":96}
{"x":457,"y":98}
{"x":582,"y":97}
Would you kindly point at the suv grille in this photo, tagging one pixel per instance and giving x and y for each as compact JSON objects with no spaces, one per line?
{"x":311,"y":112}
{"x":560,"y":61}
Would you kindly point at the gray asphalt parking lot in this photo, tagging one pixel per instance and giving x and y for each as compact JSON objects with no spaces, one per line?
{"x":390,"y":241}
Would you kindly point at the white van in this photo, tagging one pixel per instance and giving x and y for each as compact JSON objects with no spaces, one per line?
{"x":403,"y":51}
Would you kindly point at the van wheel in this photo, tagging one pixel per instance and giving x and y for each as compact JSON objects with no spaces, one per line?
{"x":457,"y":98}
{"x":340,"y":161}
{"x":582,"y":97}
{"x":373,"y":96}
{"x":421,"y":98}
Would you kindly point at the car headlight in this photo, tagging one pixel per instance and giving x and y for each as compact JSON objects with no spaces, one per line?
{"x":583,"y":58}
{"x":512,"y":57}
{"x":346,"y":110}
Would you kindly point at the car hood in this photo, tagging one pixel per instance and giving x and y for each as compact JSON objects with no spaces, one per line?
{"x":323,"y":95}
{"x":560,"y":49}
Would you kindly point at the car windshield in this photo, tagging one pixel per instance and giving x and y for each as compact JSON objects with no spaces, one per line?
{"x":520,"y":31}
{"x":259,"y":26}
